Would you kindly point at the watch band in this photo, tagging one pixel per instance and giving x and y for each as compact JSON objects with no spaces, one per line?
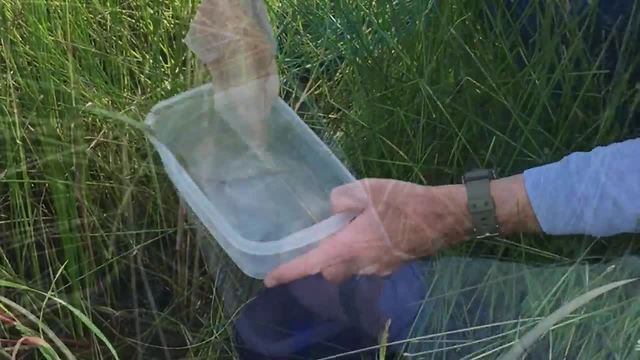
{"x":480,"y":203}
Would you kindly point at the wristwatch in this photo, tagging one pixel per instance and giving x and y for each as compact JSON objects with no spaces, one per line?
{"x":480,"y":203}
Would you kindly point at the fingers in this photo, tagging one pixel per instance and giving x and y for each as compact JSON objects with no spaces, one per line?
{"x":308,"y":264}
{"x":337,"y":273}
{"x":337,"y":257}
{"x":332,"y":257}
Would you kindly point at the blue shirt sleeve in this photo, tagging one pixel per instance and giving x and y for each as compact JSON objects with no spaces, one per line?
{"x":593,"y":193}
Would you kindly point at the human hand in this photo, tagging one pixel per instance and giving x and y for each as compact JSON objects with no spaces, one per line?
{"x":398,"y":221}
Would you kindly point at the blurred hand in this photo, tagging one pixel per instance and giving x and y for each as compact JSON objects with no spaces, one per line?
{"x":398,"y":221}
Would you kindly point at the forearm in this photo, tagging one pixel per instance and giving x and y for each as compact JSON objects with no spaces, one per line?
{"x":593,"y":193}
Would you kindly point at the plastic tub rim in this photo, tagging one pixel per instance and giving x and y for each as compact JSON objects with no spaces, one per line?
{"x":215,"y":222}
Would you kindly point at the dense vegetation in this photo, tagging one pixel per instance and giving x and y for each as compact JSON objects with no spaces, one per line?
{"x":97,"y":251}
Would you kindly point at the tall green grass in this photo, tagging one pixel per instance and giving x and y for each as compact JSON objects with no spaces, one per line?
{"x":415,"y":90}
{"x":87,"y":215}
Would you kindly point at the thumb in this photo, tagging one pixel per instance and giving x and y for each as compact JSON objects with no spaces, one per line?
{"x":349,"y":197}
{"x":305,"y":265}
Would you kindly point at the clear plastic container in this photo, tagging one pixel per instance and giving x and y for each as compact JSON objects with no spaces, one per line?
{"x":263,"y":191}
